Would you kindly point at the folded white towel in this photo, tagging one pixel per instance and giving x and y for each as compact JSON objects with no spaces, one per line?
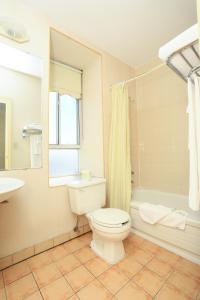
{"x":171,"y":217}
{"x":152,"y":214}
{"x":176,"y":219}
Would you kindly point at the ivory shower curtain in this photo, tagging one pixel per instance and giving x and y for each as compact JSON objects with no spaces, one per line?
{"x":194,"y":142}
{"x":119,"y":181}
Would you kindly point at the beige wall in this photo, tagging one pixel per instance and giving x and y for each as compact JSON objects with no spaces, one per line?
{"x":37,"y":212}
{"x":24,"y":93}
{"x":91,"y":152}
{"x":162,"y":129}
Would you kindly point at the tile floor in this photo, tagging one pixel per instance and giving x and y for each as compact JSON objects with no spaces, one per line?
{"x":72,"y":271}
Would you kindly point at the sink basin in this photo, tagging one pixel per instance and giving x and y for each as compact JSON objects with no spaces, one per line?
{"x":9,"y":186}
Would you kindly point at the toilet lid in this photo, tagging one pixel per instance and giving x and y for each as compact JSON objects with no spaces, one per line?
{"x":110,"y":217}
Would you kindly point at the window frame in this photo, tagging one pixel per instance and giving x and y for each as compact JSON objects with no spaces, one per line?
{"x":59,"y":146}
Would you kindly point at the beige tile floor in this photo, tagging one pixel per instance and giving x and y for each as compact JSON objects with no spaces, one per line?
{"x":72,"y":271}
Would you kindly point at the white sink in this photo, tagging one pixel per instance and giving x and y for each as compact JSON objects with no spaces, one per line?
{"x":9,"y":186}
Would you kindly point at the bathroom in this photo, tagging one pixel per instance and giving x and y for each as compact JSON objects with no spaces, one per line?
{"x":46,"y":244}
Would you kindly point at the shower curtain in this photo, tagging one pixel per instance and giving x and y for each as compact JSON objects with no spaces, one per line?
{"x":119,"y":165}
{"x":194,"y":142}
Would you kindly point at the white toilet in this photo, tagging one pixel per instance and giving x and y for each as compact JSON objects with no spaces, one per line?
{"x":110,"y":226}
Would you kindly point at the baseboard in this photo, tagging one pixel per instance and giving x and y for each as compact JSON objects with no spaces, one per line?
{"x":185,"y":254}
{"x":23,"y":254}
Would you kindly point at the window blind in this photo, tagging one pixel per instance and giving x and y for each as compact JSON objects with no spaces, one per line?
{"x":65,"y":80}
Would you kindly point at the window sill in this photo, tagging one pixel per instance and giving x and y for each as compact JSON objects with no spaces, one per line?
{"x":61,"y":181}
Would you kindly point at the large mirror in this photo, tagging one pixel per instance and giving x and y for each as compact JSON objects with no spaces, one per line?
{"x":20,"y":109}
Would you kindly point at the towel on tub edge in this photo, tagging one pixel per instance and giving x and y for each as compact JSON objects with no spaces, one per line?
{"x":158,"y":214}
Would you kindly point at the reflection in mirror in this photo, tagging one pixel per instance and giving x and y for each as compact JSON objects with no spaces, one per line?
{"x":20,"y":110}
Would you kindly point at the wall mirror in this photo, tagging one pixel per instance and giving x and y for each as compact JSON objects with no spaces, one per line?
{"x":20,"y":109}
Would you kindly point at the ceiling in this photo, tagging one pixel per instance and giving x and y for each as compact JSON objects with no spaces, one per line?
{"x":131,"y":30}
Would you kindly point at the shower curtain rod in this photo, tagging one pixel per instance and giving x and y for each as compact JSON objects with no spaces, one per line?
{"x":140,"y":75}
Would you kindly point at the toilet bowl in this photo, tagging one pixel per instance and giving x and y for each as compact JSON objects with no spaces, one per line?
{"x":110,"y":226}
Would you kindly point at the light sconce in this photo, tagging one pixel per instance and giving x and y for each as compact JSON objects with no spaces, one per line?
{"x":13,"y":30}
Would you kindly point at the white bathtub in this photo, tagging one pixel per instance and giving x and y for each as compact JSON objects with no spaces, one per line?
{"x":183,"y":242}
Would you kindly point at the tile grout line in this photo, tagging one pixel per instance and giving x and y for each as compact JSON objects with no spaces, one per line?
{"x":37,"y":285}
{"x":52,"y":262}
{"x":145,"y":266}
{"x":154,"y":256}
{"x":35,"y":254}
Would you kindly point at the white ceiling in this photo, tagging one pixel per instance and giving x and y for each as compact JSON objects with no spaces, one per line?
{"x":131,"y":30}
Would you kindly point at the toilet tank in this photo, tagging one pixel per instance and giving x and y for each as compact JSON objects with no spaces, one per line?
{"x":86,"y":195}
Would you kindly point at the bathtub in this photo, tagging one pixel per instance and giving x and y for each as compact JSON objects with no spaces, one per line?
{"x":183,"y":242}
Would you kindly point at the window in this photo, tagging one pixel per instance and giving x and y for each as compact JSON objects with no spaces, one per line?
{"x":64,"y":135}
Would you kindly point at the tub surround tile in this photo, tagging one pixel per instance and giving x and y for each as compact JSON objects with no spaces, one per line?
{"x":149,"y":281}
{"x":185,"y":284}
{"x":113,"y":279}
{"x":79,"y":278}
{"x":85,"y":254}
{"x":169,"y":292}
{"x":57,"y":290}
{"x":159,"y":267}
{"x":15,"y":272}
{"x":129,"y":266}
{"x":95,"y":290}
{"x":46,"y":275}
{"x":97,"y":266}
{"x":22,"y":288}
{"x":68,"y":264}
{"x":132,"y":291}
{"x":38,"y":261}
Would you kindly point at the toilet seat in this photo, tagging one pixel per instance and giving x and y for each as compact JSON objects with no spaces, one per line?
{"x":110,"y":218}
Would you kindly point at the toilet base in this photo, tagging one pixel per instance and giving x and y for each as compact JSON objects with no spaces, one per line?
{"x":111,"y":252}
